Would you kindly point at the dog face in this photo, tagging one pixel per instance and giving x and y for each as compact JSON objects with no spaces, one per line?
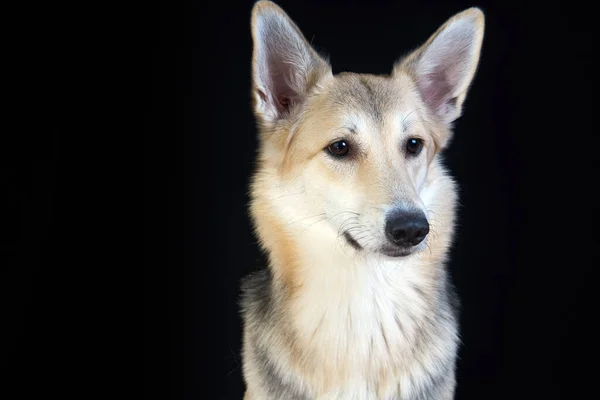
{"x":354,"y":152}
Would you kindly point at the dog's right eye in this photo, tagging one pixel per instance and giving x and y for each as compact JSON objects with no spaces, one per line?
{"x":340,"y":148}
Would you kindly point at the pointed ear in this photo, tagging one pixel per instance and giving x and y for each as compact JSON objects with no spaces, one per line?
{"x":445,"y":65}
{"x":284,"y":65}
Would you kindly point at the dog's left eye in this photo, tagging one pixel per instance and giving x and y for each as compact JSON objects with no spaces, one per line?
{"x":414,"y":146}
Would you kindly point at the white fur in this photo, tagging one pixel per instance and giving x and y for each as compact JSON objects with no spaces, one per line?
{"x":350,"y":294}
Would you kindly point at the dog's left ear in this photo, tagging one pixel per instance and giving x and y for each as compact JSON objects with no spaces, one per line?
{"x":445,"y":65}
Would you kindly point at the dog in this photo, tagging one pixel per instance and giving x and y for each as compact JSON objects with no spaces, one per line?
{"x":355,"y":210}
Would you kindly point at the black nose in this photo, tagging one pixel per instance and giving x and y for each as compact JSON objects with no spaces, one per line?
{"x":407,"y":228}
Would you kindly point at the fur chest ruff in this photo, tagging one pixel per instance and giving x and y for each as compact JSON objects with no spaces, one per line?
{"x":382,"y":331}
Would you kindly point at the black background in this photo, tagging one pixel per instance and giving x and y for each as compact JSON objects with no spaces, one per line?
{"x":524,"y":154}
{"x":518,"y":154}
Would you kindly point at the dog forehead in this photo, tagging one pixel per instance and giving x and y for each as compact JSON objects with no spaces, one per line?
{"x":373,"y":96}
{"x":371,"y":99}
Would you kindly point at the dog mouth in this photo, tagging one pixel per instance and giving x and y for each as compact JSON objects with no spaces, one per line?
{"x":396,"y":252}
{"x":352,"y":242}
{"x":387,"y":251}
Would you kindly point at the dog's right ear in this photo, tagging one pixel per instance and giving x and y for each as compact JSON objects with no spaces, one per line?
{"x":284,"y":65}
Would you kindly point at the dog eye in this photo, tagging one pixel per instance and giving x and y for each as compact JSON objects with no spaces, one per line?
{"x":339,"y":148}
{"x":414,"y":146}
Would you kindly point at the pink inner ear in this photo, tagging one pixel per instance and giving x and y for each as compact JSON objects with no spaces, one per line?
{"x":444,"y":66}
{"x":436,"y":90}
{"x":283,"y":94}
{"x":284,"y":103}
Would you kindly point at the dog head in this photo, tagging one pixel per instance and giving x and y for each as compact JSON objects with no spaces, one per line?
{"x":355,"y":153}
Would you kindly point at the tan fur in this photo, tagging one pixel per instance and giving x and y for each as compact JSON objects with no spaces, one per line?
{"x":351,"y":324}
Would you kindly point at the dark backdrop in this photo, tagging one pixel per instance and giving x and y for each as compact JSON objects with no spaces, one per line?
{"x":523,"y":153}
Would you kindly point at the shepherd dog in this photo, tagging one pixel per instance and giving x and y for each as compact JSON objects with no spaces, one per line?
{"x":355,"y":211}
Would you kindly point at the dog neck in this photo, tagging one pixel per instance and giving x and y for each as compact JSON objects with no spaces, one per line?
{"x":349,"y":315}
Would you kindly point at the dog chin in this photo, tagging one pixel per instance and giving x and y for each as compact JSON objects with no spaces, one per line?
{"x":396,"y":252}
